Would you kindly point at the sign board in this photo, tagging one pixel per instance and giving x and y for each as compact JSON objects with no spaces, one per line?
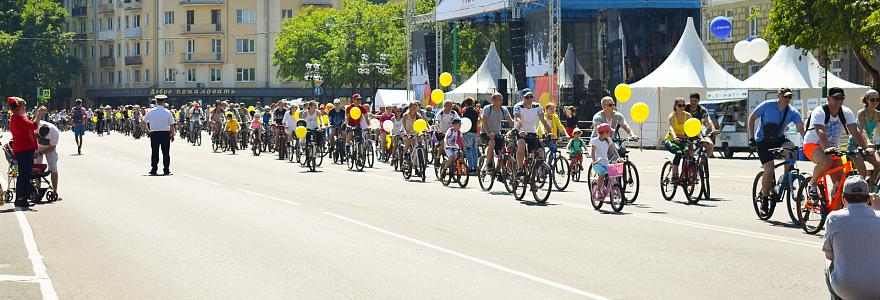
{"x":727,"y":94}
{"x":319,"y":90}
{"x":46,"y":93}
{"x":798,"y":104}
{"x":454,"y":9}
{"x":812,"y":103}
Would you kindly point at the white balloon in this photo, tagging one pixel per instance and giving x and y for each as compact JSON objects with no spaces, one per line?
{"x":374,"y":124}
{"x":741,"y":51}
{"x":466,"y":124}
{"x":759,"y":49}
{"x":388,"y":125}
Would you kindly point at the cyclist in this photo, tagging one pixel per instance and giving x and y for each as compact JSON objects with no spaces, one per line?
{"x":398,"y":121}
{"x":576,"y":146}
{"x":336,"y":117}
{"x":409,"y":118}
{"x":355,"y":125}
{"x":600,"y":148}
{"x":611,"y":116}
{"x":827,"y":123}
{"x":527,"y":114}
{"x":701,"y":113}
{"x":868,"y":118}
{"x":232,"y":128}
{"x":452,"y":142}
{"x":472,"y":149}
{"x":196,"y":116}
{"x":278,"y":117}
{"x":217,"y":117}
{"x":775,"y":116}
{"x":675,"y":138}
{"x":312,"y":116}
{"x":442,"y":124}
{"x":493,"y":118}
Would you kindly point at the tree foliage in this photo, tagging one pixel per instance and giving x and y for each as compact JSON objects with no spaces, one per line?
{"x":34,"y":47}
{"x":829,"y":26}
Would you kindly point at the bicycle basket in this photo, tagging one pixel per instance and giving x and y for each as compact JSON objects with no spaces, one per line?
{"x":615,"y":170}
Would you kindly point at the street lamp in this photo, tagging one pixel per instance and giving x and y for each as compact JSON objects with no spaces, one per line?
{"x":313,"y":74}
{"x":366,"y":67}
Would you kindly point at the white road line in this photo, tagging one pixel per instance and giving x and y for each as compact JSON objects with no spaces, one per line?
{"x":202,"y":180}
{"x":471,"y":258}
{"x":269,"y":197}
{"x":716,"y":228}
{"x":18,"y":278}
{"x":42,"y":276}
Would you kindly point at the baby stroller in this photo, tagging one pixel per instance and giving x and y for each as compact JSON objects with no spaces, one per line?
{"x":42,"y":186}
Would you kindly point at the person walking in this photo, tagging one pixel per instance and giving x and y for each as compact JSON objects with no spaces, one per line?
{"x":24,"y":145}
{"x":160,"y":123}
{"x":472,"y":149}
{"x":78,"y":118}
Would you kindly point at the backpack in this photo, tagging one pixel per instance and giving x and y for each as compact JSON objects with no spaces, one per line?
{"x":840,"y":115}
{"x":771,"y":130}
{"x":78,"y":115}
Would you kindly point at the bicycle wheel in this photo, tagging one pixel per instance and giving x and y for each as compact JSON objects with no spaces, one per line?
{"x":464,"y":175}
{"x":668,"y":187}
{"x":350,"y":158}
{"x":255,"y":148}
{"x":199,"y":139}
{"x":560,"y":173}
{"x":319,"y":157}
{"x":793,"y":195}
{"x":438,"y":162}
{"x":485,"y":177}
{"x":576,"y":172}
{"x":542,"y":183}
{"x":422,"y":161}
{"x":706,"y":192}
{"x":811,"y":217}
{"x":233,"y":146}
{"x":763,"y":207}
{"x":596,"y":198}
{"x":520,"y":185}
{"x":615,"y":197}
{"x":694,"y":183}
{"x":295,"y":151}
{"x":630,"y":182}
{"x":370,"y":154}
{"x":508,"y":173}
{"x":445,"y":177}
{"x":215,"y":143}
{"x":311,"y":153}
{"x":361,"y":157}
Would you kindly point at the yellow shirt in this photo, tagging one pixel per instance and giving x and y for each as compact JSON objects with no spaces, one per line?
{"x":232,"y":125}
{"x":555,"y":127}
{"x":678,"y":126}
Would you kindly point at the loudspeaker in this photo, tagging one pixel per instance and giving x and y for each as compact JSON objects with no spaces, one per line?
{"x":431,"y":58}
{"x":518,"y":51}
{"x":502,"y":88}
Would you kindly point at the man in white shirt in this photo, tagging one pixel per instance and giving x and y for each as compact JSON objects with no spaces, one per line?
{"x":160,"y":123}
{"x":47,"y":141}
{"x":527,"y":114}
{"x":852,"y":244}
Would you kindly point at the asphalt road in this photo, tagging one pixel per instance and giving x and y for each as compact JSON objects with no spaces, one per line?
{"x":242,"y":227}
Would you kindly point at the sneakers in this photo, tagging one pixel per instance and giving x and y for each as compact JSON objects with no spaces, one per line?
{"x":765,"y":203}
{"x":813,"y":195}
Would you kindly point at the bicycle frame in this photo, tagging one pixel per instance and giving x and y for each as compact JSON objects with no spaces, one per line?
{"x":835,"y":201}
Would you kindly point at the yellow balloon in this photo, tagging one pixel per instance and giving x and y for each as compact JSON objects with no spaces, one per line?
{"x":251,"y":108}
{"x":437,"y":96}
{"x":692,"y":127}
{"x":640,"y":112}
{"x":544,"y":99}
{"x":118,"y":115}
{"x":387,"y":141}
{"x":622,"y":92}
{"x":325,"y":119}
{"x":296,"y":115}
{"x":420,"y":125}
{"x":445,"y":79}
{"x":355,"y":113}
{"x":94,"y":119}
{"x":301,"y":132}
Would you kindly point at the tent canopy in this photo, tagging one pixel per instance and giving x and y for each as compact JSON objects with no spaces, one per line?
{"x":391,"y":98}
{"x":793,"y":68}
{"x":570,"y":68}
{"x":689,"y":65}
{"x":485,"y":80}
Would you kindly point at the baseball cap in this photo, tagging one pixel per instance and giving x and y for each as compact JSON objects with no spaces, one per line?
{"x":336,"y":101}
{"x":527,"y":92}
{"x":836,"y":92}
{"x":855,"y":185}
{"x":785,"y":91}
{"x":356,"y":96}
{"x":456,"y":121}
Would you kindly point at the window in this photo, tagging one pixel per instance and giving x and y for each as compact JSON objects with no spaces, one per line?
{"x":190,"y":46}
{"x":216,"y":75}
{"x":147,"y":75}
{"x":127,"y":23}
{"x":170,"y":75}
{"x":127,"y":76}
{"x":127,"y":49}
{"x":286,"y":13}
{"x":92,"y":78}
{"x":137,"y":76}
{"x":110,"y":23}
{"x":118,"y":50}
{"x":169,"y":17}
{"x":245,"y":75}
{"x":137,"y":21}
{"x":245,"y":16}
{"x":169,"y":47}
{"x":835,"y":68}
{"x":110,"y":77}
{"x":147,"y":49}
{"x":753,"y":23}
{"x":93,"y":52}
{"x":100,"y":24}
{"x":190,"y":75}
{"x":137,"y":49}
{"x":244,"y":46}
{"x":216,"y":46}
{"x":100,"y":77}
{"x":753,"y":68}
{"x":119,"y":76}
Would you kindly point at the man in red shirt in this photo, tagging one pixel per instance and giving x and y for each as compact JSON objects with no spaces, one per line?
{"x":354,"y":125}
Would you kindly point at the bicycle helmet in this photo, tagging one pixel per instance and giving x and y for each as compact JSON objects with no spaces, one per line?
{"x":604,"y":127}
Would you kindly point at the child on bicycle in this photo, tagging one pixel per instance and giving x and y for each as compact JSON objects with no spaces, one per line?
{"x":452,"y":142}
{"x":232,"y":127}
{"x":600,"y":146}
{"x":576,"y":146}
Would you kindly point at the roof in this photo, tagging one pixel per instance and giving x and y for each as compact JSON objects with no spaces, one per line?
{"x":793,"y":68}
{"x":485,"y":79}
{"x":386,"y":97}
{"x":569,"y":68}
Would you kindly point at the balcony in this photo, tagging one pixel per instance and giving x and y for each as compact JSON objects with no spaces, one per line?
{"x":106,"y":35}
{"x":201,"y":58}
{"x":134,"y":60}
{"x":104,"y":8}
{"x":133,"y":5}
{"x":202,"y":29}
{"x":200,"y":2}
{"x":132,"y":33}
{"x":78,"y":11}
{"x":81,"y":37}
{"x":319,"y":2}
{"x":107,"y":61}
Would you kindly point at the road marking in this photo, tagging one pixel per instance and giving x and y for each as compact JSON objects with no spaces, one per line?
{"x":18,"y":278}
{"x":202,"y":180}
{"x":471,"y":258}
{"x":40,"y":273}
{"x":269,"y":197}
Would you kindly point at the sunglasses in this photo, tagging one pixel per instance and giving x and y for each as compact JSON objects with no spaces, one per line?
{"x":611,"y":104}
{"x":874,"y":100}
{"x":529,"y":97}
{"x":679,"y":105}
{"x":787,"y":97}
{"x":838,"y":98}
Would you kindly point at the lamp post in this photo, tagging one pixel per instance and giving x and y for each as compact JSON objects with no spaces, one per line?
{"x":313,"y":74}
{"x":366,"y":67}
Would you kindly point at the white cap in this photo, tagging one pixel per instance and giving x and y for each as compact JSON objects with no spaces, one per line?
{"x":161,"y":97}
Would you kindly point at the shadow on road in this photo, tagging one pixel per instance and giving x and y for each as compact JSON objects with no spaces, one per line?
{"x":783,"y":224}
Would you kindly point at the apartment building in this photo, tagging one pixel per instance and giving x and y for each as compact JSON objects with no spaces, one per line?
{"x":187,"y":49}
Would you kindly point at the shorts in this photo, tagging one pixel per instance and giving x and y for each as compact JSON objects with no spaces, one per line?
{"x":764,"y":149}
{"x":79,"y":130}
{"x":532,"y":142}
{"x":810,"y":148}
{"x":51,"y":161}
{"x":499,"y":141}
{"x":600,"y":169}
{"x":452,"y":152}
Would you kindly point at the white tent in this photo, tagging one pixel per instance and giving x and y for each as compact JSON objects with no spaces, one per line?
{"x":688,"y":69}
{"x":484,"y":82}
{"x":386,"y":97}
{"x":570,"y":68}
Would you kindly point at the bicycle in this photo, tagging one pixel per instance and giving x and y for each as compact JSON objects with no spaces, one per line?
{"x":257,"y":142}
{"x":311,"y":150}
{"x":536,"y":177}
{"x":415,"y":159}
{"x":820,"y":208}
{"x":338,"y":149}
{"x":195,"y":137}
{"x":612,"y":189}
{"x":785,"y":188}
{"x":456,"y":170}
{"x":486,"y":176}
{"x":629,"y":179}
{"x":357,"y":156}
{"x":691,"y":178}
{"x":559,"y":164}
{"x":231,"y":143}
{"x":281,"y":142}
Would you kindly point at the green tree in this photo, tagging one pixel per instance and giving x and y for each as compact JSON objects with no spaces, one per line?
{"x":32,"y":31}
{"x":829,"y":26}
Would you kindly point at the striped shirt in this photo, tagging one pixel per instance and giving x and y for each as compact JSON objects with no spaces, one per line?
{"x":853,"y":235}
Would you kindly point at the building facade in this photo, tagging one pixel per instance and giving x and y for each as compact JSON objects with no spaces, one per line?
{"x":187,"y":49}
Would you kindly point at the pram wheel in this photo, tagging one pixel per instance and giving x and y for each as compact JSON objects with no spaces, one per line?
{"x":8,"y":196}
{"x":51,"y":196}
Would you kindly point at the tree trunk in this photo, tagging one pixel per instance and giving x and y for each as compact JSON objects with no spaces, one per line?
{"x":872,"y":71}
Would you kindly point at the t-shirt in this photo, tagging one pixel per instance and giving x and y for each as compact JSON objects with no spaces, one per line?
{"x":602,"y":146}
{"x":51,"y":138}
{"x":853,"y":235}
{"x":492,"y":119}
{"x":232,"y":125}
{"x":444,"y":120}
{"x":571,"y":122}
{"x":337,"y":117}
{"x":699,"y":113}
{"x":311,"y":119}
{"x":615,"y":120}
{"x":78,"y":115}
{"x":768,"y":113}
{"x":353,"y":122}
{"x":576,"y":146}
{"x":266,"y":117}
{"x":278,"y":115}
{"x":472,"y":114}
{"x":398,"y":125}
{"x":160,"y":119}
{"x":529,"y":116}
{"x":453,"y":139}
{"x":832,"y":129}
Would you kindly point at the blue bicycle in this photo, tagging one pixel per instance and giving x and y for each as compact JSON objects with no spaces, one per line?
{"x":785,"y":188}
